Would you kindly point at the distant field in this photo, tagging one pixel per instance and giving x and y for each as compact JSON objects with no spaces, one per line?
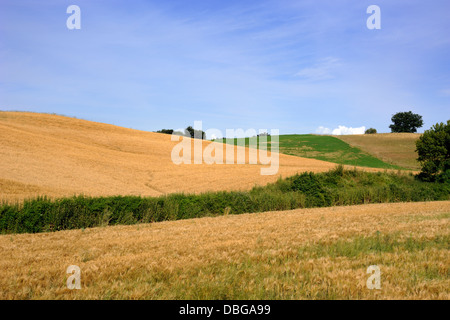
{"x":394,"y":148}
{"x":318,"y":253}
{"x":326,"y":148}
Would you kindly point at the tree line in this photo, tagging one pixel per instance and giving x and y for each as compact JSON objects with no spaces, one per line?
{"x":188,"y":132}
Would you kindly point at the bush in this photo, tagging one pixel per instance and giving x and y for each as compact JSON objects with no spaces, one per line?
{"x":371,"y":131}
{"x":310,"y":184}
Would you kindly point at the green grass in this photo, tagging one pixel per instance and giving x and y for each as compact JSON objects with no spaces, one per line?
{"x":376,"y":244}
{"x":307,"y":190}
{"x":320,"y":147}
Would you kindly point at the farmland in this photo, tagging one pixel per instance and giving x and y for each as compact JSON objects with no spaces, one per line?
{"x":111,"y":201}
{"x":57,"y":156}
{"x":393,"y":148}
{"x":238,"y":151}
{"x":320,"y":253}
{"x":336,"y":187}
{"x":330,"y":149}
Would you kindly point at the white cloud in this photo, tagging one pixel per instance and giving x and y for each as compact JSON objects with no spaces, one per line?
{"x":320,"y":71}
{"x":323,"y":130}
{"x":341,"y":130}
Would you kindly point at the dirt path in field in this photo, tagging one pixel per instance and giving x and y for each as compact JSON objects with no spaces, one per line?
{"x":57,"y":156}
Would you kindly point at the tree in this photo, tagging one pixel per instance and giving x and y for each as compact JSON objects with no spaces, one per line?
{"x":406,"y":122}
{"x":370,"y":131}
{"x":191,"y":132}
{"x":166,"y":131}
{"x":433,"y":148}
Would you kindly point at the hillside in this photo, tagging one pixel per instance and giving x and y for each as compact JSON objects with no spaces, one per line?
{"x":326,"y":148}
{"x":318,"y":253}
{"x":394,"y":148}
{"x":43,"y":154}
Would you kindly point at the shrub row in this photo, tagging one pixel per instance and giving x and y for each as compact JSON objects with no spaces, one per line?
{"x":307,"y":190}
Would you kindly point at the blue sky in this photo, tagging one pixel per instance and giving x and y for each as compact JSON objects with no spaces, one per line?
{"x":288,"y":65}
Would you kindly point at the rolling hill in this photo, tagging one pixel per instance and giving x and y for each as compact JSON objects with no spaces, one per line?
{"x":320,"y":253}
{"x":57,"y":156}
{"x":338,"y":150}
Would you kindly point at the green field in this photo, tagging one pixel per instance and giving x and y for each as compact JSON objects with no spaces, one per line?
{"x":325,"y":148}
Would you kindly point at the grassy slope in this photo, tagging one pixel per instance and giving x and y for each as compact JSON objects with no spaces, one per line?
{"x":325,"y":148}
{"x":320,"y":253}
{"x":393,"y":148}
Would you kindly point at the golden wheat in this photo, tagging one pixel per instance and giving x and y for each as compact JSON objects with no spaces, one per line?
{"x":264,"y":255}
{"x":57,"y":156}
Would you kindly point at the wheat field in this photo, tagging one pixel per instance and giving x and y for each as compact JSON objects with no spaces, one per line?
{"x":320,"y":253}
{"x":57,"y":156}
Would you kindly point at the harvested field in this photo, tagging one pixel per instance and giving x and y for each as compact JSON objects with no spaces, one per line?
{"x":318,"y":253}
{"x":395,"y":148}
{"x":57,"y":156}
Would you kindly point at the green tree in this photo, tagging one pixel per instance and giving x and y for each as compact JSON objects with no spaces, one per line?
{"x":166,"y":131}
{"x":433,"y":148}
{"x":370,"y":131}
{"x":406,"y":122}
{"x":191,"y":132}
